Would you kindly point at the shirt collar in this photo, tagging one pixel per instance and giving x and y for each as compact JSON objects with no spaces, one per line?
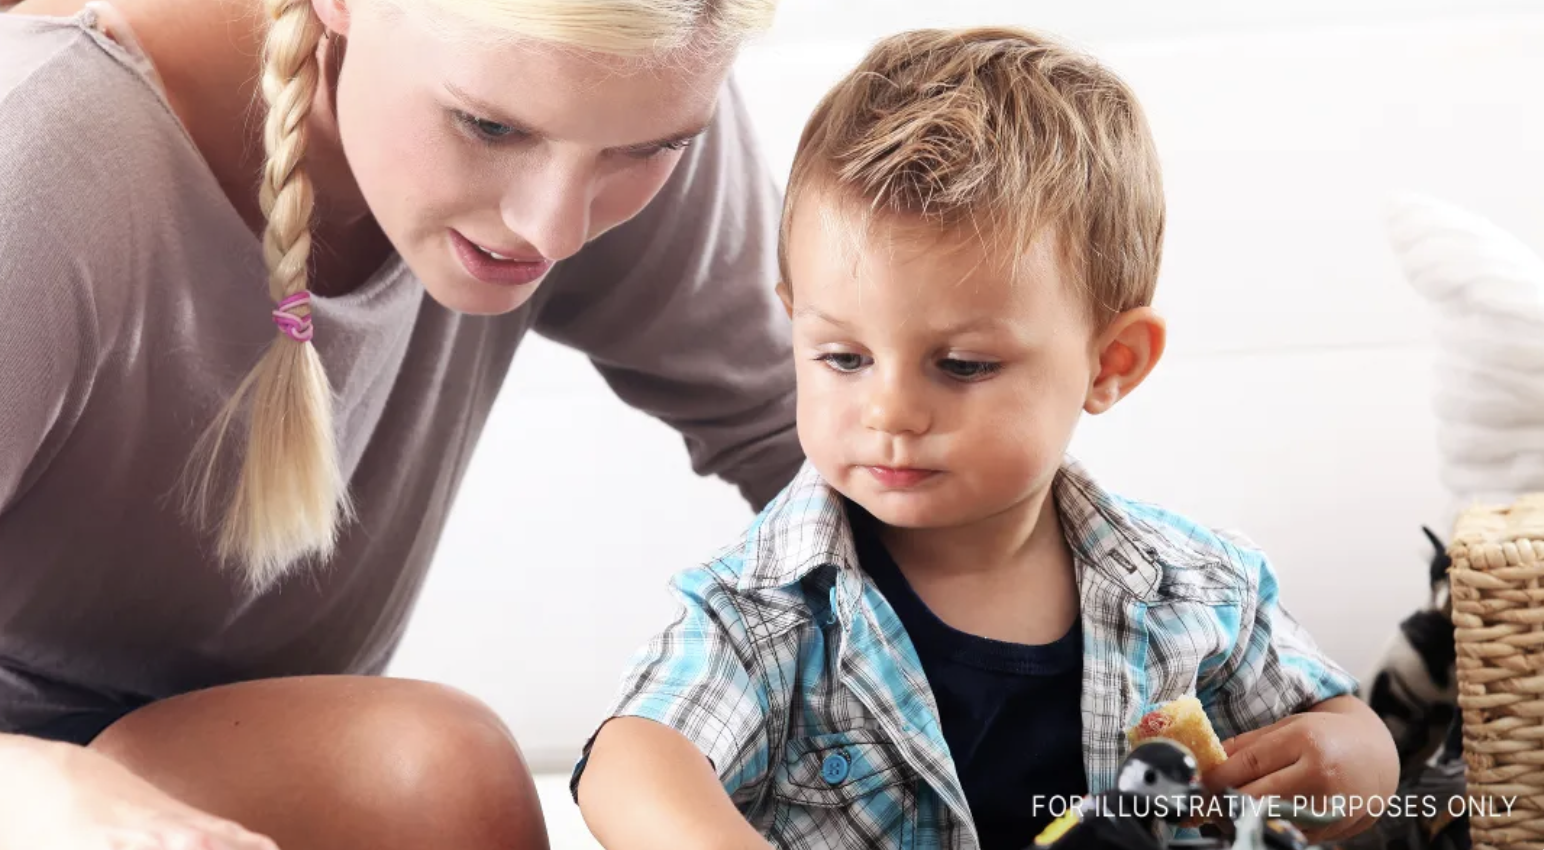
{"x":805,"y":528}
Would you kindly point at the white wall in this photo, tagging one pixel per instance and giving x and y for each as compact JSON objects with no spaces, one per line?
{"x":1293,"y":404}
{"x":801,"y":22}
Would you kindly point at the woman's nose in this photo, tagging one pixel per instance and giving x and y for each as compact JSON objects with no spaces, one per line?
{"x":552,"y":211}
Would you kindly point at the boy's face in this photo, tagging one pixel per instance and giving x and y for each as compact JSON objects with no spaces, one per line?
{"x":935,"y":389}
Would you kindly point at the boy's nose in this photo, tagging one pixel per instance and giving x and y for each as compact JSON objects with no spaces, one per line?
{"x":893,"y":407}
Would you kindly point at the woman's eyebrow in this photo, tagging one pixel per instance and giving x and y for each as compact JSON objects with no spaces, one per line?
{"x":490,"y":112}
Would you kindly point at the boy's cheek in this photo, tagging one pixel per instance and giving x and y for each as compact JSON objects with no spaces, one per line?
{"x":819,"y":433}
{"x":822,"y":406}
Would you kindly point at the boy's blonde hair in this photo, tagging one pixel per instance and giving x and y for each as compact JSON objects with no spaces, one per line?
{"x":290,"y":495}
{"x":1000,"y":133}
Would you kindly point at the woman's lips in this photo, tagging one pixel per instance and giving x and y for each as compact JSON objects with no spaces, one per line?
{"x":482,"y":264}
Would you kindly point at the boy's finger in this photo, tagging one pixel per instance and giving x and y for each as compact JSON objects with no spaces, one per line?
{"x":1238,"y":742}
{"x":1263,"y":756}
{"x":1321,"y":818}
{"x":1284,"y":784}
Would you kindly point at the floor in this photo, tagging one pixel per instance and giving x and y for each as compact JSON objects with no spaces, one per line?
{"x":565,"y":828}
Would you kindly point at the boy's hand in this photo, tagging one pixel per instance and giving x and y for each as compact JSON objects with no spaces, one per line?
{"x":1339,"y":747}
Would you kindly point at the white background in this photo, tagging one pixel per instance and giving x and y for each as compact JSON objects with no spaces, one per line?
{"x":1293,"y":405}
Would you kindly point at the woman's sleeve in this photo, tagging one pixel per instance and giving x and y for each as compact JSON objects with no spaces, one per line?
{"x":677,"y":308}
{"x":48,"y":341}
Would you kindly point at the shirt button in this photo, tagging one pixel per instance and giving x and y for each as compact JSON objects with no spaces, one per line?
{"x":835,"y":768}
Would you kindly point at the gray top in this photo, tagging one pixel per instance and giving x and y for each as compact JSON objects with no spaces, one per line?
{"x":133,"y":299}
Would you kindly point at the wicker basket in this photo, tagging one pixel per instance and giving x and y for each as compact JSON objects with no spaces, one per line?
{"x":1497,"y":581}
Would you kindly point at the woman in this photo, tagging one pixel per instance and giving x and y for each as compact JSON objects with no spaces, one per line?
{"x":211,"y":492}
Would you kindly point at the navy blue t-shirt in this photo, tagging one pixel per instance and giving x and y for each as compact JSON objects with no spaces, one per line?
{"x":1010,"y":712}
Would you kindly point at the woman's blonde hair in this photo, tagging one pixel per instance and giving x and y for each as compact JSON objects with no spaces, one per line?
{"x":290,"y":495}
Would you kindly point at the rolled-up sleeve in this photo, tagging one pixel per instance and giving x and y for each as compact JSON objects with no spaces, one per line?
{"x":1275,"y":668}
{"x":700,"y":677}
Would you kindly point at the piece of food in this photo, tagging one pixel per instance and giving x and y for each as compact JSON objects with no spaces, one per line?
{"x":1185,"y":722}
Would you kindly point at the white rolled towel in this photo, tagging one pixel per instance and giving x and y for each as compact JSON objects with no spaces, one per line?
{"x":1469,"y":391}
{"x":1503,"y":343}
{"x":1486,"y":403}
{"x":1493,"y":483}
{"x":1465,"y":443}
{"x":1464,"y":263}
{"x":1486,"y":288}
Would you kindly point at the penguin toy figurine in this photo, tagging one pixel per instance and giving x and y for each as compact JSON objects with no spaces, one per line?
{"x":1154,"y":790}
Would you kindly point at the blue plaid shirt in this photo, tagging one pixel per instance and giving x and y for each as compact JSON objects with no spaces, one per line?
{"x":790,"y":671}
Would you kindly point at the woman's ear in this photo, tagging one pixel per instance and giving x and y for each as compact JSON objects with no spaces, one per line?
{"x":785,"y":294}
{"x":1128,"y":349}
{"x":334,"y":15}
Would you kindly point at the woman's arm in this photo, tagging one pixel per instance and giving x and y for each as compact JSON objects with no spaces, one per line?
{"x":648,"y":788}
{"x":48,"y":347}
{"x":678,"y":310}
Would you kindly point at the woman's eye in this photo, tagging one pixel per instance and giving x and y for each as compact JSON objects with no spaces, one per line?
{"x":968,"y":369}
{"x":488,"y":130}
{"x":843,"y":362}
{"x":661,"y":149}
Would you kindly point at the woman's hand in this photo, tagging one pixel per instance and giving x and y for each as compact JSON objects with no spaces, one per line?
{"x":71,"y":798}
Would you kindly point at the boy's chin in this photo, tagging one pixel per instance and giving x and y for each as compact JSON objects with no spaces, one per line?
{"x":914,"y":511}
{"x":924,"y":510}
{"x":927,"y":505}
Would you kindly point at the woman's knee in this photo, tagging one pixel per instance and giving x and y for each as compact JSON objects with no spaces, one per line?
{"x":453,"y":761}
{"x":340,"y":763}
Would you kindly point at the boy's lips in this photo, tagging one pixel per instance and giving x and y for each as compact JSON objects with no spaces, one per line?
{"x":899,"y":478}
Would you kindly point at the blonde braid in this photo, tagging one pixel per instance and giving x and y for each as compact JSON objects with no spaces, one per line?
{"x":290,"y":495}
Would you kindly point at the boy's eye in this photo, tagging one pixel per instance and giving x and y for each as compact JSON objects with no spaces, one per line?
{"x":843,"y":362}
{"x":968,"y":370}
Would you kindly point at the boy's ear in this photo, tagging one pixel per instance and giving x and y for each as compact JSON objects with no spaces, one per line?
{"x":785,"y":294}
{"x":333,"y":14}
{"x":1128,"y":349}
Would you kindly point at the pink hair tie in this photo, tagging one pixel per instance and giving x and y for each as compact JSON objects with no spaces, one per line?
{"x":296,"y":327}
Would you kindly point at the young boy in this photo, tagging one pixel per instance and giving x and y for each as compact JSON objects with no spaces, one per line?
{"x":943,"y":622}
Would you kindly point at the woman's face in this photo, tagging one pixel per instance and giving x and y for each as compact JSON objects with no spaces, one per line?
{"x":486,"y":162}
